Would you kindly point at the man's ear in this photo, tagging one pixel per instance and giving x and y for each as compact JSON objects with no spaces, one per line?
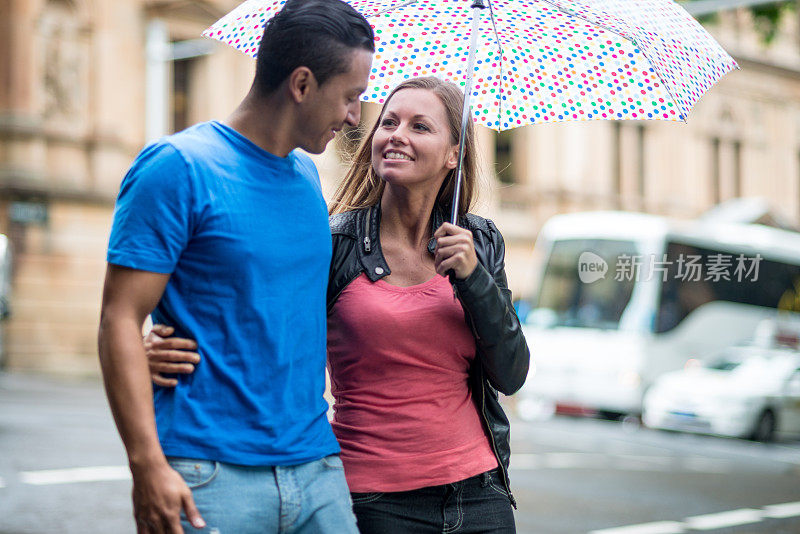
{"x":300,"y":83}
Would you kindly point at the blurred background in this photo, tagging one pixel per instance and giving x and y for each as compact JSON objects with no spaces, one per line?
{"x":708,"y":356}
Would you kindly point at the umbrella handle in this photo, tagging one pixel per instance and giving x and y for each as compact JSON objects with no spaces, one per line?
{"x":477,"y":6}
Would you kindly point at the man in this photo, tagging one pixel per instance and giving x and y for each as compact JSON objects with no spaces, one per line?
{"x":222,"y":231}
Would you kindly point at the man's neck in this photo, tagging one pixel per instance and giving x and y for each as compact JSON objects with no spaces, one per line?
{"x":267,"y":121}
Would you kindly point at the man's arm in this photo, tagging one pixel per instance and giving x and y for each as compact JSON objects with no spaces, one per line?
{"x":159,"y":492}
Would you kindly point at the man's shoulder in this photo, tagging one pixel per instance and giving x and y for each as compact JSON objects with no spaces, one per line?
{"x":158,"y":159}
{"x":304,"y":163}
{"x":194,"y":142}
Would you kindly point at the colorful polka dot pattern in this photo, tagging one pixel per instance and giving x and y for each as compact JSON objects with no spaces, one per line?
{"x":537,"y":61}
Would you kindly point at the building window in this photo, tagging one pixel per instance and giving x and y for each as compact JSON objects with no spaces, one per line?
{"x":616,"y":171}
{"x":726,"y":169}
{"x":629,"y":161}
{"x":641,"y":181}
{"x":504,"y":157}
{"x":716,"y":175}
{"x":737,"y":169}
{"x":182,"y":71}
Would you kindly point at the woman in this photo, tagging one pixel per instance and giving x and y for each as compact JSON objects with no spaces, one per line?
{"x":416,"y":359}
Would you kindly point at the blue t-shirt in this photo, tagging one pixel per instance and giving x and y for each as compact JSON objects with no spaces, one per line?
{"x":245,"y":237}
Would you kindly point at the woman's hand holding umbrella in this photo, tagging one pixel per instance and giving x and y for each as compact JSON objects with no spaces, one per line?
{"x":455,"y":250}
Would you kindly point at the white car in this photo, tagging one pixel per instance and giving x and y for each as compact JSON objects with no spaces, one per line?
{"x":748,"y":392}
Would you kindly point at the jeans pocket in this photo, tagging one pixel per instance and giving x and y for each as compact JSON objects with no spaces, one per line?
{"x":363,"y":498}
{"x":496,"y":482}
{"x":333,"y":461}
{"x":194,"y":472}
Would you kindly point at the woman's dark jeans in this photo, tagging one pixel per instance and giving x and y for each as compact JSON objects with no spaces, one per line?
{"x":475,"y":505}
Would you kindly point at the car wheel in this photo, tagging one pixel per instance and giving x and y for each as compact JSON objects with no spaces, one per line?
{"x":765,"y":427}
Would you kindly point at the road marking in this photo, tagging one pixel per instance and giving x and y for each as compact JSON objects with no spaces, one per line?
{"x":526,"y":461}
{"x":549,"y":441}
{"x":707,"y":465}
{"x":725,"y":519}
{"x":663,"y":460}
{"x":580,"y":460}
{"x":573,"y":460}
{"x":733,"y":518}
{"x":78,"y":474}
{"x":2,"y":483}
{"x":660,"y":527}
{"x":781,"y":511}
{"x":644,"y":468}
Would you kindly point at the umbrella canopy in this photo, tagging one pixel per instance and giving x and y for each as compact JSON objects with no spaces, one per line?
{"x":535,"y":61}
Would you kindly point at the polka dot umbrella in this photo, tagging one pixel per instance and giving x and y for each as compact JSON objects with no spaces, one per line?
{"x":532,"y":61}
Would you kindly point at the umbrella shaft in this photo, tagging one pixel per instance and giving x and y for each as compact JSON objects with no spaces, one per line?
{"x":465,"y":114}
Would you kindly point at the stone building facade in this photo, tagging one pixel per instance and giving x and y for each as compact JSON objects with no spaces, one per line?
{"x":84,"y":84}
{"x":73,"y":115}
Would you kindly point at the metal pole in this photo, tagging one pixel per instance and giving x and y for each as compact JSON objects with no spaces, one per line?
{"x":466,"y":114}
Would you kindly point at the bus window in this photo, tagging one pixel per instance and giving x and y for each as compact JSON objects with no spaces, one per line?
{"x":681,"y":295}
{"x":572,"y":303}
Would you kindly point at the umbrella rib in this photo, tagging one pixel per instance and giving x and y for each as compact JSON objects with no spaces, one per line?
{"x":500,"y":72}
{"x":595,"y":23}
{"x":684,"y":113}
{"x":398,"y":6}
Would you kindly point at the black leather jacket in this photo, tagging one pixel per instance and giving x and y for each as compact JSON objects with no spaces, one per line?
{"x":503,"y":354}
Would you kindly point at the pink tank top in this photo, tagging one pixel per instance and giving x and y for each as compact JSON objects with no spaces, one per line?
{"x":403,"y":414}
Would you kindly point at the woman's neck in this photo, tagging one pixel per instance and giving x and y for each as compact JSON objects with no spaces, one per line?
{"x":406,"y":215}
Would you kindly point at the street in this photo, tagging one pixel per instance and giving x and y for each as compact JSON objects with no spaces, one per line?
{"x":62,"y":469}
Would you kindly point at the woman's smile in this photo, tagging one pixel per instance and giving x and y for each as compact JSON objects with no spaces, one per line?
{"x":396,"y":155}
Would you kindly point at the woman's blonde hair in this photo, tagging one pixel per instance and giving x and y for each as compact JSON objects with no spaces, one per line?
{"x":361,"y":187}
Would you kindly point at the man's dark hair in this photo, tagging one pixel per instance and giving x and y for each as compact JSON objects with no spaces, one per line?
{"x":318,"y":34}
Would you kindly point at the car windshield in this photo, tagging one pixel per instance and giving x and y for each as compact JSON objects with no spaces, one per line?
{"x":565,"y":300}
{"x":724,"y":365}
{"x":756,"y":365}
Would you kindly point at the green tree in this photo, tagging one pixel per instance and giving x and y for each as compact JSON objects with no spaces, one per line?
{"x":767,"y":17}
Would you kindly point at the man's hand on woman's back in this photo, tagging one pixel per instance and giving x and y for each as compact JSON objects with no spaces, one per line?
{"x":169,"y":355}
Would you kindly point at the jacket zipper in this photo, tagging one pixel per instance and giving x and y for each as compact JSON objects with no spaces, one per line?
{"x":367,"y":241}
{"x":494,"y":447}
{"x":486,"y":419}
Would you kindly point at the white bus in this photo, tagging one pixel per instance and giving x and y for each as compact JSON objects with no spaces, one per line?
{"x":625,"y":297}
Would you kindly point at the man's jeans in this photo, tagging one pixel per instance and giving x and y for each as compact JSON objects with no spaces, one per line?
{"x":304,"y":499}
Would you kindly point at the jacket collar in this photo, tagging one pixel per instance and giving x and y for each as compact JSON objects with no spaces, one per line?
{"x":369,"y":244}
{"x":437,"y":219}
